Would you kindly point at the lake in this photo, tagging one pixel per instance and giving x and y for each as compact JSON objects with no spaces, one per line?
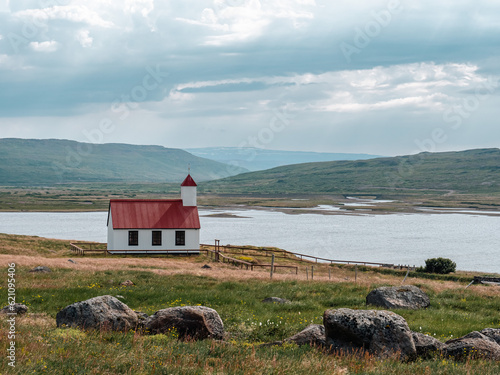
{"x":470,"y":239}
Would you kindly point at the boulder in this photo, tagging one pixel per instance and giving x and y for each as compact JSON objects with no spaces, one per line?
{"x":313,"y":335}
{"x":398,"y":297}
{"x":127,"y":283}
{"x":492,"y":333}
{"x":426,"y":345}
{"x":41,"y":269}
{"x":104,"y":312}
{"x":206,"y":266}
{"x":473,"y":345}
{"x":382,"y":333}
{"x":275,"y":300}
{"x":17,"y":308}
{"x":190,"y":322}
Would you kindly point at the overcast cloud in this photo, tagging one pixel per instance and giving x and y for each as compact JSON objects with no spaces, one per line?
{"x":383,"y":77}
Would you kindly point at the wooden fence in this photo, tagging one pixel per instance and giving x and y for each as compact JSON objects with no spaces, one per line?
{"x":219,"y":257}
{"x":283,"y":254}
{"x":87,"y":247}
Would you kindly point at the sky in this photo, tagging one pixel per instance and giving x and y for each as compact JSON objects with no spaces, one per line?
{"x":385,"y":77}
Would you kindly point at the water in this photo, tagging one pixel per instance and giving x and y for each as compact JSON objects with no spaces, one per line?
{"x":471,"y":240}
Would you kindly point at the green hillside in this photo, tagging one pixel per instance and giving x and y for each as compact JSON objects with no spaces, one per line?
{"x":258,"y":159}
{"x":35,"y":162}
{"x":474,"y":171}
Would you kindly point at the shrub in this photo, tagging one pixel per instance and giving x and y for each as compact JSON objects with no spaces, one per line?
{"x":246,"y":259}
{"x":440,"y":265}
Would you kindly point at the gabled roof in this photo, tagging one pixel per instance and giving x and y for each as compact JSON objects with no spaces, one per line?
{"x":152,"y":214}
{"x":189,"y":181}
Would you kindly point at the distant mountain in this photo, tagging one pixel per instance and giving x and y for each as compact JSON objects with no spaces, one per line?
{"x":473,"y":171}
{"x":51,"y":161}
{"x":257,"y":159}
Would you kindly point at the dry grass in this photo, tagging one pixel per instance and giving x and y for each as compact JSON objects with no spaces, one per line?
{"x":219,"y":271}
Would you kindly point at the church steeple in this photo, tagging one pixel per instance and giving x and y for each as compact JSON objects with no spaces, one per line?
{"x":188,"y":192}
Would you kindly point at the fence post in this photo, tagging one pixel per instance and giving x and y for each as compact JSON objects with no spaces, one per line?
{"x":329,"y":273}
{"x":307,"y":273}
{"x":356,"y":274}
{"x":272,"y":266}
{"x":312,"y":272}
{"x":407,"y":273}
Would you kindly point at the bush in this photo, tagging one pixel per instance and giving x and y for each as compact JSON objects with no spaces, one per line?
{"x":246,"y":259}
{"x":440,"y":265}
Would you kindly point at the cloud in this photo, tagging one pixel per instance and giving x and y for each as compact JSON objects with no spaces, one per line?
{"x":4,"y":6}
{"x":144,"y":7}
{"x":231,"y":63}
{"x":48,"y":46}
{"x":420,"y":86}
{"x":84,"y":38}
{"x":247,"y":20}
{"x":426,"y":85}
{"x":73,"y":13}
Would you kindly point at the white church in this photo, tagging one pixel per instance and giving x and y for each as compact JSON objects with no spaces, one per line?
{"x":155,"y":226}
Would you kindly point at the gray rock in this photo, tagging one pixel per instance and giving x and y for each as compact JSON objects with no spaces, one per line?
{"x":382,"y":333}
{"x":398,"y":297}
{"x":474,"y":345}
{"x":313,"y":335}
{"x":41,"y":269}
{"x":492,"y":333}
{"x":206,"y":266}
{"x":275,"y":300}
{"x":426,"y":345}
{"x":104,"y":312}
{"x":72,"y":261}
{"x":17,"y":308}
{"x":190,"y":322}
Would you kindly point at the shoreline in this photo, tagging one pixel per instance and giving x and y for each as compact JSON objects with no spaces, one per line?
{"x":337,"y":209}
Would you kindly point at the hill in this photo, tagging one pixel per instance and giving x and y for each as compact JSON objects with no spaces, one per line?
{"x":473,"y":171}
{"x":50,"y":161}
{"x":257,"y":159}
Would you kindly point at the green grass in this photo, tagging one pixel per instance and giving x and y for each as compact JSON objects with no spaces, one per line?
{"x":42,"y":348}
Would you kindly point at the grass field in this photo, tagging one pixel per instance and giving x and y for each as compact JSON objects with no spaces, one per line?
{"x":236,"y":295}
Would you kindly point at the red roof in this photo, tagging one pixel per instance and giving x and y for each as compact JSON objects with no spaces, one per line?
{"x":189,"y":181}
{"x":152,"y":214}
